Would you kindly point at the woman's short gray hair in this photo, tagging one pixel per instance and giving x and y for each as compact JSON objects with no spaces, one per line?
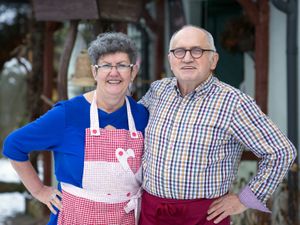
{"x":112,"y":42}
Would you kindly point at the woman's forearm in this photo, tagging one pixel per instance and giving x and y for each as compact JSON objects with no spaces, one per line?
{"x":28,"y":176}
{"x":45,"y":194}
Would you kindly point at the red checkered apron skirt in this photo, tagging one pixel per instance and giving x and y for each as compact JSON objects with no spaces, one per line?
{"x":111,"y":182}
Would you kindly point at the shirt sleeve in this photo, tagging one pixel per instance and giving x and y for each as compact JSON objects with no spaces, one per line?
{"x":149,"y":96}
{"x":145,"y":100}
{"x":252,"y":128}
{"x":45,"y":133}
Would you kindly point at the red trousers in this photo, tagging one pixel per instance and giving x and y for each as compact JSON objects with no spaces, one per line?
{"x":160,"y":211}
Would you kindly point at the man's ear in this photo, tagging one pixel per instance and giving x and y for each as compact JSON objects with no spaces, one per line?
{"x":169,"y":59}
{"x":215,"y":59}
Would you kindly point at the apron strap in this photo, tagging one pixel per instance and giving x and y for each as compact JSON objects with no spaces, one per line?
{"x":134,"y":204}
{"x":94,"y":119}
{"x":131,"y":125}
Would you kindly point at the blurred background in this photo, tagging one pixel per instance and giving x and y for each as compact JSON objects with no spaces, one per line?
{"x":43,"y":59}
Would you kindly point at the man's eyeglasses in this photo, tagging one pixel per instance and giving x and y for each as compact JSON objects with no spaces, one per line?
{"x":121,"y":68}
{"x":195,"y":52}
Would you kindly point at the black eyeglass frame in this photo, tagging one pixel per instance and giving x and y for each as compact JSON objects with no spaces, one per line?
{"x":190,"y":50}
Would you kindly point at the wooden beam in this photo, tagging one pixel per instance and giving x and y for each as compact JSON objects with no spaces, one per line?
{"x":248,"y":155}
{"x":120,"y":10}
{"x":6,"y":187}
{"x":57,"y":10}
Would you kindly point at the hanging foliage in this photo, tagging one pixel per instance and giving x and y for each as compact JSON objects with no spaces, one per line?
{"x":238,"y":35}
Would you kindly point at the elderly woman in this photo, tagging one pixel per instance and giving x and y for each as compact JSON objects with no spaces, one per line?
{"x":97,"y":142}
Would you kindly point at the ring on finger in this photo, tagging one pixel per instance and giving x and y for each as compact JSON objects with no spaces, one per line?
{"x":53,"y":195}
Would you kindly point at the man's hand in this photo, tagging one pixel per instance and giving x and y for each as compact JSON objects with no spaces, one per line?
{"x":225,"y":206}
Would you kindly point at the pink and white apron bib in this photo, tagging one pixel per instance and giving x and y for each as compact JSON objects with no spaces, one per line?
{"x":111,"y":185}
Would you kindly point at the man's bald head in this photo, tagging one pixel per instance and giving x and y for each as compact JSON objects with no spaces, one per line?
{"x":185,"y":28}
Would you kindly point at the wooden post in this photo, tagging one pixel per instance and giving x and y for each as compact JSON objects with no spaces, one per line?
{"x":258,"y":13}
{"x":47,"y":89}
{"x":157,"y":26}
{"x":159,"y":53}
{"x":62,"y":80}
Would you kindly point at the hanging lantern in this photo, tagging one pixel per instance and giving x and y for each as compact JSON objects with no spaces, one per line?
{"x":83,"y":74}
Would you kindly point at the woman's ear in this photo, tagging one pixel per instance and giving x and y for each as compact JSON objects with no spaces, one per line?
{"x":94,"y":71}
{"x":135,"y":70}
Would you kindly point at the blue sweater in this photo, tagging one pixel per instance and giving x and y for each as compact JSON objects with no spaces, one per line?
{"x":62,"y":130}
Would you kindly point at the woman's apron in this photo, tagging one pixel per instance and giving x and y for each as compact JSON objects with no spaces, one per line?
{"x":111,"y":185}
{"x":161,"y":211}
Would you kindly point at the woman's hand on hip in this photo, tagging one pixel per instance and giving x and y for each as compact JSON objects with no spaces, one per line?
{"x":50,"y":197}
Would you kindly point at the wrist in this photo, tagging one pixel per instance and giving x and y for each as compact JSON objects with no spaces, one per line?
{"x":37,"y":190}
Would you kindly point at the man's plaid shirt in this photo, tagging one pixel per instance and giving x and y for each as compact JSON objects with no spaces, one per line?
{"x":193,"y":144}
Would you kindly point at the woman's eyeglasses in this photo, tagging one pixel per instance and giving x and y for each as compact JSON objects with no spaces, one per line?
{"x":121,"y":68}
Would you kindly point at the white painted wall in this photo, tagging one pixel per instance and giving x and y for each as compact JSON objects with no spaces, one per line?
{"x":248,"y":85}
{"x":277,"y":97}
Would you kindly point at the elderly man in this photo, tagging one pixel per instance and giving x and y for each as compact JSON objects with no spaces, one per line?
{"x":197,"y":130}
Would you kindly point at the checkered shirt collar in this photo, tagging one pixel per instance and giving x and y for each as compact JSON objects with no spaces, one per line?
{"x":200,"y":90}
